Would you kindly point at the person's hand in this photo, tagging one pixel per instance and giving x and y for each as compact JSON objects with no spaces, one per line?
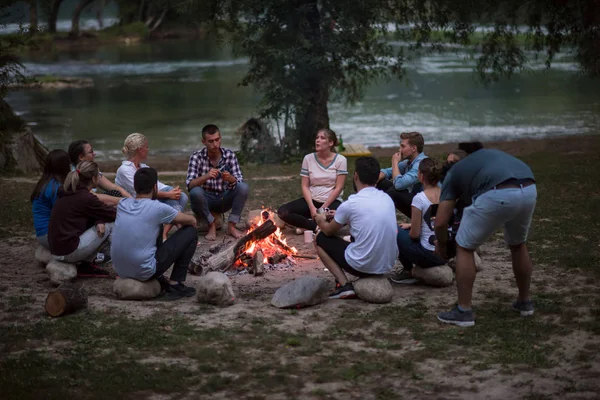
{"x":319,"y":218}
{"x":330,"y":214}
{"x":227,"y":177}
{"x":195,"y":223}
{"x":396,"y":158}
{"x":405,"y":226}
{"x":175,"y":194}
{"x":100,"y":229}
{"x":313,"y":211}
{"x":213,"y":173}
{"x":441,"y":250}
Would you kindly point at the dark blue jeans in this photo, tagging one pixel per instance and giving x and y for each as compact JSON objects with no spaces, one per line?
{"x":203,"y":202}
{"x":412,"y":253}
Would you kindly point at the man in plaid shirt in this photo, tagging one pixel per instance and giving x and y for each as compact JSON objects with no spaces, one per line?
{"x":215,"y":182}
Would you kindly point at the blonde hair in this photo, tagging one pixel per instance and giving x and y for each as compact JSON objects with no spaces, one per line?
{"x":84,"y":172}
{"x":133,"y":143}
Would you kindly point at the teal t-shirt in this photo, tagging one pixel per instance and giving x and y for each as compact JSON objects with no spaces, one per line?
{"x":133,"y":245}
{"x":480,"y":172}
{"x":42,"y":207}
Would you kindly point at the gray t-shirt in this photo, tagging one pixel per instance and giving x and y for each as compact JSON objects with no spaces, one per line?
{"x":134,"y":235}
{"x":480,"y":172}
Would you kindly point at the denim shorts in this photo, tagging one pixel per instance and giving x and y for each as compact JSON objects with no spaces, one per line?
{"x":509,"y":208}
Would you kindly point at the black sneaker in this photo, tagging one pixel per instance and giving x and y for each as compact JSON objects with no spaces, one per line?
{"x":403,"y":277}
{"x":178,"y":291}
{"x":343,"y":292}
{"x":91,"y":270}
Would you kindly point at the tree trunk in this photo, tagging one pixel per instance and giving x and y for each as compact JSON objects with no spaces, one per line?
{"x":77,"y":16}
{"x":53,"y":16}
{"x":67,"y":298}
{"x":33,"y":17}
{"x":312,"y":114}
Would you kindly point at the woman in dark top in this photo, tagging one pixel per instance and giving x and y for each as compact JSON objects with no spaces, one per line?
{"x":80,"y":222}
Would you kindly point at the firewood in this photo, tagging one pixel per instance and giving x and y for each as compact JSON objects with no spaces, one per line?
{"x":258,"y":263}
{"x":282,"y":245}
{"x":276,"y":258}
{"x":224,"y":259}
{"x":67,"y":298}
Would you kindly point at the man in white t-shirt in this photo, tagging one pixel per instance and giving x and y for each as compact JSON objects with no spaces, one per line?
{"x":371,"y":215}
{"x":137,"y":249}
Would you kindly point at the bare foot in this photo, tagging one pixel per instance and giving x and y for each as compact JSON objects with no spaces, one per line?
{"x":234,"y":232}
{"x":211,"y":236}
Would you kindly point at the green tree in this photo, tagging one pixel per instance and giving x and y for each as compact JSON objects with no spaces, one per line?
{"x":303,"y":52}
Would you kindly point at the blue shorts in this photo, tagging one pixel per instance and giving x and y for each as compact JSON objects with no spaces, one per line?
{"x":509,"y":208}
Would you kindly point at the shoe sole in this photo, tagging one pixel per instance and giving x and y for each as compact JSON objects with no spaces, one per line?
{"x":524,"y":313}
{"x":349,"y":294}
{"x":92,"y":276}
{"x":462,"y":324}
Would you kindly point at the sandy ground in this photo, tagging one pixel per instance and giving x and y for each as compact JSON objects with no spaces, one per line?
{"x":253,"y":294}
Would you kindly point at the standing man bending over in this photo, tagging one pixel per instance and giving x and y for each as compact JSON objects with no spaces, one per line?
{"x":504,"y":195}
{"x":401,"y":181}
{"x":215,"y":182}
{"x":137,"y":250}
{"x":372,"y":219}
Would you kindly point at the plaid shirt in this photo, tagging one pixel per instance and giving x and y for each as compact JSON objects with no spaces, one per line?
{"x":200,"y":165}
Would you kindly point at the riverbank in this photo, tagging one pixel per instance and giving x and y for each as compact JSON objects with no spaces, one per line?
{"x":519,"y":148}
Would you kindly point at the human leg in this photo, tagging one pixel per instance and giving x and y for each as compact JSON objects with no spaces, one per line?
{"x":89,"y":242}
{"x":235,"y":199}
{"x":178,"y":251}
{"x":297,"y":213}
{"x":402,"y":200}
{"x":43,"y":241}
{"x":201,"y":202}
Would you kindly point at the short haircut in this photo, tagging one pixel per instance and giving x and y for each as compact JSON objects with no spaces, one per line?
{"x":367,"y":169}
{"x":414,"y":139}
{"x":144,"y":180}
{"x":210,"y":129}
{"x":470,"y":147}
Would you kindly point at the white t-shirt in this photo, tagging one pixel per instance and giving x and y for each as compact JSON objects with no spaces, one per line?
{"x":372,"y":218}
{"x":133,"y":245}
{"x":322,"y":177}
{"x":125,"y":175}
{"x":421,"y":202}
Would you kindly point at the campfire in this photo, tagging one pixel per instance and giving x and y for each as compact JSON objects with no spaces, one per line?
{"x":263,"y":245}
{"x":271,"y":250}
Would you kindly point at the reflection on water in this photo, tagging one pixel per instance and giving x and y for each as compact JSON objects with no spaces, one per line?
{"x":168,"y":91}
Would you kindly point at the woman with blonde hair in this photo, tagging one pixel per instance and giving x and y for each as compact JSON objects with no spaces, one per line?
{"x":80,"y":222}
{"x":135,"y":149}
{"x":323,"y":178}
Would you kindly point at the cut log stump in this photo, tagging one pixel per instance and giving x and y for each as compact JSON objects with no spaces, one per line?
{"x":258,"y":263}
{"x":67,"y":298}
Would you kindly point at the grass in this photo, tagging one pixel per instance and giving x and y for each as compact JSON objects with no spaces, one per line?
{"x":381,"y":352}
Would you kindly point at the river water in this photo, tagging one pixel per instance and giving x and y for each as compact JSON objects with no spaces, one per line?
{"x":169,"y":90}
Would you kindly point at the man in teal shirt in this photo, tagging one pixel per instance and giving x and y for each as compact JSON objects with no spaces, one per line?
{"x":503,"y":194}
{"x":401,"y":181}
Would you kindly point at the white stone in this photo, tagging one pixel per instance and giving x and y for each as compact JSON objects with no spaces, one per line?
{"x":131,"y":289}
{"x":215,"y":288}
{"x":43,"y":255}
{"x":61,"y":272}
{"x":435,"y":276}
{"x":374,"y":289}
{"x":302,"y":292}
{"x":478,"y":263}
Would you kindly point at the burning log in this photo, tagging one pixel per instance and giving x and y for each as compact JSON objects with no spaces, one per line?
{"x":282,"y":245}
{"x":224,"y":259}
{"x":277,"y":258}
{"x":258,"y":263}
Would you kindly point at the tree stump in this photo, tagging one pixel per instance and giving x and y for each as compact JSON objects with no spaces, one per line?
{"x":66,"y":299}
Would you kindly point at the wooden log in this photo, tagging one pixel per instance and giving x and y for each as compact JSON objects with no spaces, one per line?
{"x":282,"y":245}
{"x":66,"y":299}
{"x":276,"y":258}
{"x":224,"y":259}
{"x":258,"y":263}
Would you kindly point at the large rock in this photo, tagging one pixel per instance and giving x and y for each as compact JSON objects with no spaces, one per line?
{"x":302,"y":292}
{"x":435,"y":276}
{"x":215,"y":288}
{"x":61,"y":272}
{"x":131,"y":289}
{"x":374,"y":289}
{"x":255,"y":215}
{"x":43,"y":255}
